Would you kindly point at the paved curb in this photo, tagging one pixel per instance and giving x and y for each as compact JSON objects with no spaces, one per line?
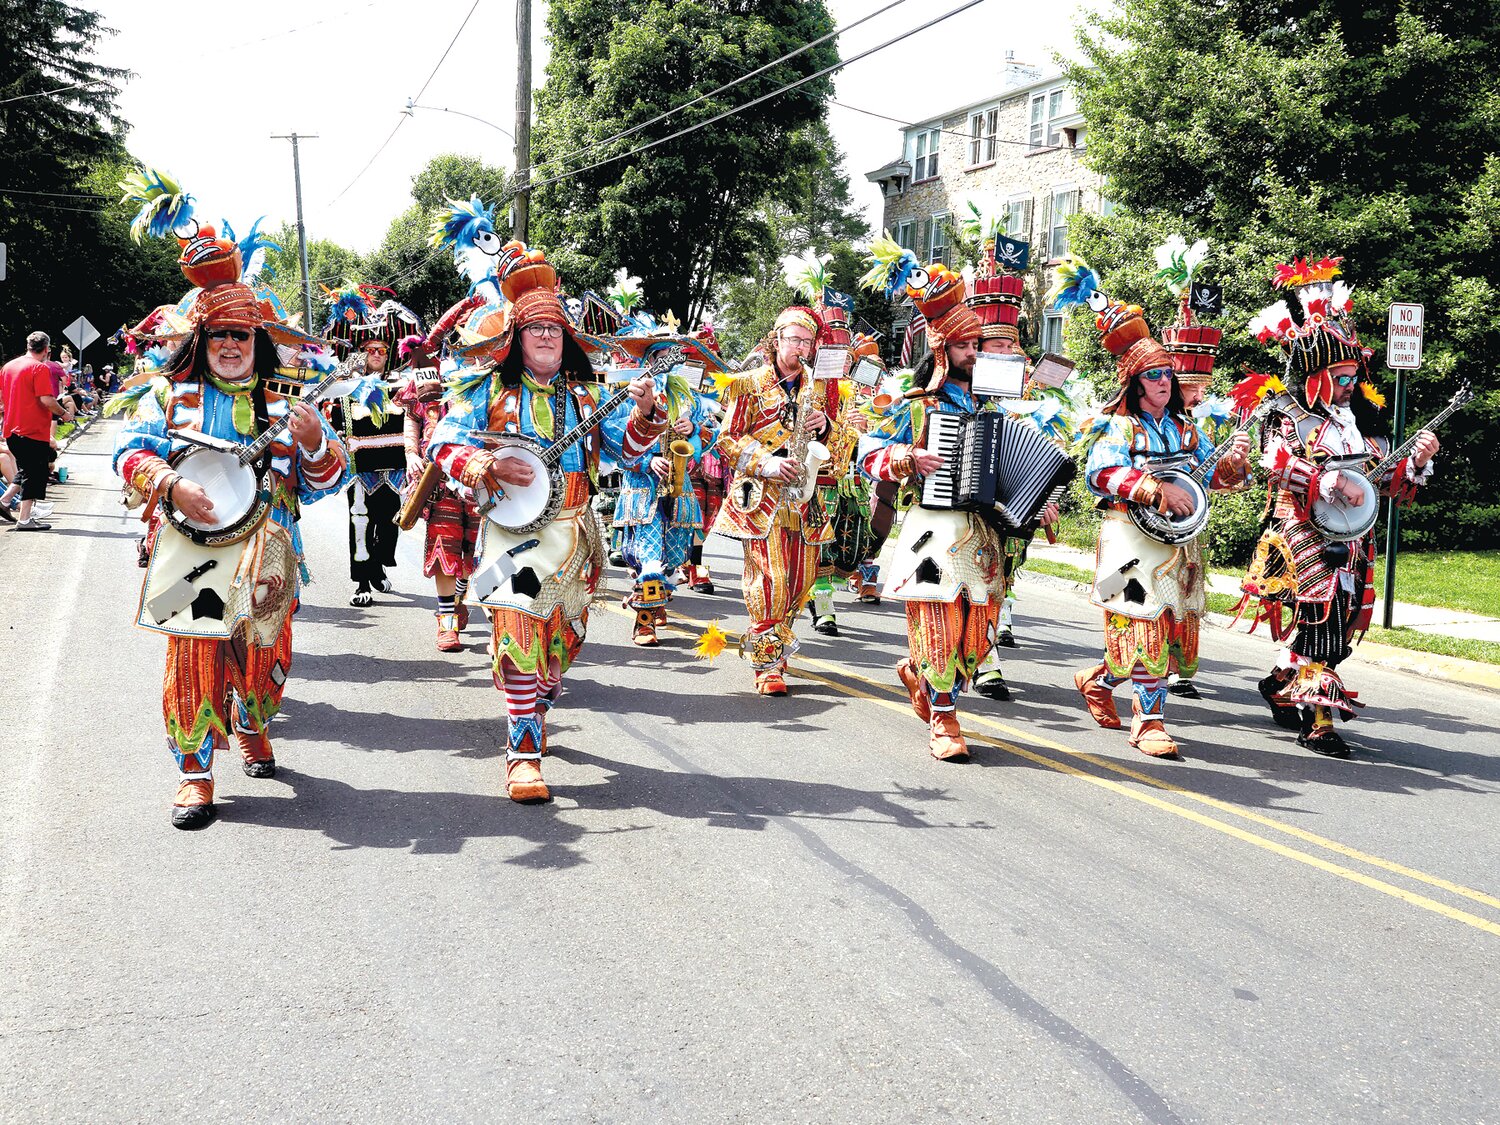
{"x":1473,"y":673}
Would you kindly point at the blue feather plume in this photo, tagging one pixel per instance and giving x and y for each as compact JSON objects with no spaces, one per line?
{"x":1076,"y":283}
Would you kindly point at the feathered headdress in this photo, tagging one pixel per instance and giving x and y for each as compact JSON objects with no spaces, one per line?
{"x":627,"y":294}
{"x":1177,"y":263}
{"x":807,"y":275}
{"x":1123,"y":328}
{"x":1314,"y":327}
{"x":467,"y":230}
{"x":348,"y":307}
{"x":251,"y":245}
{"x":1193,"y":347}
{"x":892,"y":270}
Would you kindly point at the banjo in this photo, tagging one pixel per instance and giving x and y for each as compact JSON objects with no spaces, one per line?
{"x":234,"y":474}
{"x":1164,"y":527}
{"x":525,"y":507}
{"x":1342,"y":521}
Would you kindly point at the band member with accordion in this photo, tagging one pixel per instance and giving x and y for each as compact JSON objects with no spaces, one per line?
{"x":776,"y":436}
{"x":948,"y":567}
{"x":534,"y":381}
{"x":222,"y":385}
{"x":1151,"y":596}
{"x":657,"y":512}
{"x":373,"y":433}
{"x":1318,"y":453}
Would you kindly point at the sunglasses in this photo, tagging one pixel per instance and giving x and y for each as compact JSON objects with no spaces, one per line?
{"x":238,"y":334}
{"x":543,"y":331}
{"x":1346,"y":380}
{"x":1154,"y":376}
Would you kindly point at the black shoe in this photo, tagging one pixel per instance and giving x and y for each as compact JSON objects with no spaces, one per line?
{"x":1284,"y":714}
{"x":704,"y":587}
{"x":1006,"y":639}
{"x":6,"y":514}
{"x":1184,"y":688}
{"x":192,"y":817}
{"x":266,"y":768}
{"x":826,"y":625}
{"x":616,"y":559}
{"x":1329,"y":743}
{"x":993,"y":688}
{"x":361,"y":597}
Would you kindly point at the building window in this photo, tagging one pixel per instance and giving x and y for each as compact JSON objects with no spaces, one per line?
{"x":924,"y":163}
{"x":937,"y":238}
{"x":1046,"y":107}
{"x":1017,"y":216}
{"x":982,"y":143}
{"x":905,"y":234}
{"x":1052,"y":336}
{"x":1064,"y":203}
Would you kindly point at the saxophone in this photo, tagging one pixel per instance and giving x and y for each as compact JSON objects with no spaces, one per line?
{"x":806,"y":453}
{"x":676,"y":450}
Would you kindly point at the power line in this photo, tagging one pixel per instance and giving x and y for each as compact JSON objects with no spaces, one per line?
{"x":59,"y":90}
{"x":950,"y":132}
{"x":403,"y":118}
{"x":57,"y":194}
{"x":757,"y":101}
{"x":728,"y":85}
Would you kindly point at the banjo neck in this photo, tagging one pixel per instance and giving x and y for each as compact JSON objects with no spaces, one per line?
{"x":253,"y":451}
{"x":1202,"y":472}
{"x":554,"y":452}
{"x":1460,"y":397}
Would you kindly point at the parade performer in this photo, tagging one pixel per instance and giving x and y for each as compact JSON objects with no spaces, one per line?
{"x":776,"y":436}
{"x":996,"y":300}
{"x":373,"y":433}
{"x":1319,"y":451}
{"x":947,"y":568}
{"x":534,"y":380}
{"x":1152,"y":599}
{"x":658,"y":511}
{"x":1193,"y":348}
{"x":225,"y":603}
{"x":844,"y":491}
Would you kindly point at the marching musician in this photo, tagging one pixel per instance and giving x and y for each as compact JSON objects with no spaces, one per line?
{"x":373,"y":433}
{"x":765,"y":441}
{"x":1330,"y":584}
{"x":222,"y":382}
{"x":536,"y":381}
{"x":1151,"y":597}
{"x":658,"y":512}
{"x":948,"y":567}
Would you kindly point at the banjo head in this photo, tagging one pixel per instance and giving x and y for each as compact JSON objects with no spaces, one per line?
{"x":527,"y":507}
{"x":1173,"y":529}
{"x":230,"y":484}
{"x":1343,"y":522}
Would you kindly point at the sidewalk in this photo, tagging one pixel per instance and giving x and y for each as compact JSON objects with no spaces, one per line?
{"x":1421,"y":618}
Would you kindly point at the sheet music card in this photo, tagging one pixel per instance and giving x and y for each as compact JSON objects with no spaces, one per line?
{"x":999,"y":376}
{"x":1052,"y":370}
{"x":829,"y":363}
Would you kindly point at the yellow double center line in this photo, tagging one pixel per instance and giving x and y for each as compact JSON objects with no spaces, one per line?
{"x":900,"y":703}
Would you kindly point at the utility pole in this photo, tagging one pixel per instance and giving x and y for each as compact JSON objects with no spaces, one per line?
{"x":522,"y":205}
{"x":307,"y":318}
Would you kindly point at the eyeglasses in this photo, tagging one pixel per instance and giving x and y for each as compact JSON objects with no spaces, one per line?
{"x":798,"y":341}
{"x":1154,"y":376}
{"x":376,"y":348}
{"x":238,"y":334}
{"x":543,"y":331}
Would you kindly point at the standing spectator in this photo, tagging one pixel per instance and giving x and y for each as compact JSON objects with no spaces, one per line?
{"x":29,"y":391}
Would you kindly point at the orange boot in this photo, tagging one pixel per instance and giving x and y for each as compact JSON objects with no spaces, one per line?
{"x":645,"y":629}
{"x":447,"y":633}
{"x":907,"y":674}
{"x":194,"y":804}
{"x":256,"y":758}
{"x":1149,"y":735}
{"x":523,"y":761}
{"x":946,"y":743}
{"x":1098,"y":698}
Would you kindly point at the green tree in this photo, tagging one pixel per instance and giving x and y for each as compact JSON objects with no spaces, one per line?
{"x":1368,"y":131}
{"x":685,"y":214}
{"x":68,"y":251}
{"x":328,"y":264}
{"x":425,"y":280}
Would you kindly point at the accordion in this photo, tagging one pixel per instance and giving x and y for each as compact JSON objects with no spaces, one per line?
{"x":996,"y":466}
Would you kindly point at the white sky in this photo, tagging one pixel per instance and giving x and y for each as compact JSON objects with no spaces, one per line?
{"x":208,"y":94}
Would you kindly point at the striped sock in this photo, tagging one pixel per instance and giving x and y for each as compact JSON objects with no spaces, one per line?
{"x":520,"y":690}
{"x":446,"y":605}
{"x":460,"y":588}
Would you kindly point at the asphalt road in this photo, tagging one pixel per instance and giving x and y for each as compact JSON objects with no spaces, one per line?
{"x":736,"y":909}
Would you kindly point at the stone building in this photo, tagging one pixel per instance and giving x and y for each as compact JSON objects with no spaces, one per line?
{"x":1020,"y":152}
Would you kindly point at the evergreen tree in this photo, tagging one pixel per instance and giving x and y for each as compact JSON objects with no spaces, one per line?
{"x":1273,"y":130}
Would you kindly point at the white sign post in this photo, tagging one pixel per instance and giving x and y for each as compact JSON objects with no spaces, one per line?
{"x":1403,"y":337}
{"x":82,"y":333}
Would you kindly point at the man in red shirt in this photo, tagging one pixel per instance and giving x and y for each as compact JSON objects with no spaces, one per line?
{"x":29,"y":392}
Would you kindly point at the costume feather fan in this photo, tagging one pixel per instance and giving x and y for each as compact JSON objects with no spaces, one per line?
{"x":1076,"y":283}
{"x":1271,"y":323}
{"x":808,"y":275}
{"x":981,"y":224}
{"x":626,"y":295}
{"x":1177,"y":263}
{"x":163,"y":205}
{"x":890,"y":266}
{"x":252,"y":244}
